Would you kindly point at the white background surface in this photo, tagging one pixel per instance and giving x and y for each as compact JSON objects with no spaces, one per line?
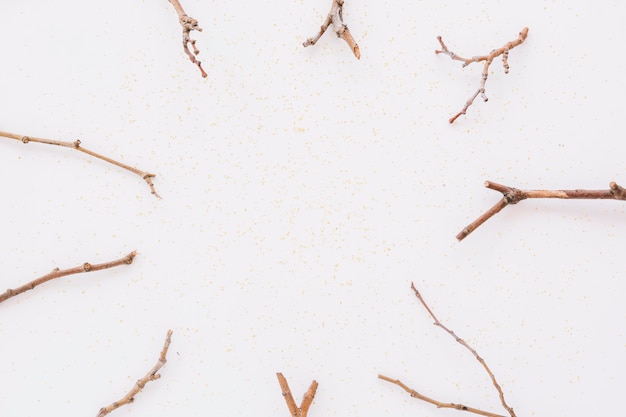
{"x":303,"y":191}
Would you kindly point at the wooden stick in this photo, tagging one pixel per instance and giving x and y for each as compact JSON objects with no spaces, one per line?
{"x":58,"y":273}
{"x":513,"y":196}
{"x":150,"y":376}
{"x":307,"y":400}
{"x":189,"y":23}
{"x":335,"y":17}
{"x":440,"y":404}
{"x":76,"y":145}
{"x":488,"y":59}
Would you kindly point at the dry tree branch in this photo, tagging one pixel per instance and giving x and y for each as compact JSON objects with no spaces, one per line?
{"x":335,"y":17}
{"x":296,"y":411}
{"x":440,"y":404}
{"x":488,"y":59}
{"x":150,"y":376}
{"x":58,"y":273}
{"x":189,"y":23}
{"x":512,"y":195}
{"x":147,"y":177}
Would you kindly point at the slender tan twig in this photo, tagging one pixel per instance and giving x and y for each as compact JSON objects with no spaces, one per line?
{"x":436,"y":403}
{"x":189,"y":23}
{"x":512,"y":195}
{"x":440,"y":404}
{"x":488,"y":59}
{"x":147,"y":177}
{"x":58,"y":273}
{"x":296,"y":411}
{"x":335,"y":17}
{"x":150,"y":376}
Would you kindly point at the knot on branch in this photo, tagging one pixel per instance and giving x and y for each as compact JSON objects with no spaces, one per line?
{"x":76,"y":144}
{"x":189,"y":23}
{"x":617,"y":191}
{"x":514,"y":196}
{"x":86,"y":267}
{"x":25,"y":139}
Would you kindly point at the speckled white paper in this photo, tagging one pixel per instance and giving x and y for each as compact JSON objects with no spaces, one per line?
{"x":303,"y":191}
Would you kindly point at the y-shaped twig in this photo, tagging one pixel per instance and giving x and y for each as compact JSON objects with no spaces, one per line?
{"x":504,"y":51}
{"x":189,"y":23}
{"x":440,"y":404}
{"x":512,"y":195}
{"x":291,"y":404}
{"x":336,"y":18}
{"x":58,"y":273}
{"x":147,"y":177}
{"x":150,"y":376}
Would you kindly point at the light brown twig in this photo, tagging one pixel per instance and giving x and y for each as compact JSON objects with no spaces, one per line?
{"x":512,"y":195}
{"x":440,"y":404}
{"x":76,"y":145}
{"x":150,"y":376}
{"x":488,"y":59}
{"x":335,"y":17}
{"x":58,"y":273}
{"x":189,"y":23}
{"x":296,"y":411}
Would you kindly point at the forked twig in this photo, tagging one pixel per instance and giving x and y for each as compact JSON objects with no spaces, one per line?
{"x":296,"y":411}
{"x":150,"y":376}
{"x":488,"y":59}
{"x":189,"y":23}
{"x":146,"y":176}
{"x":512,"y":195}
{"x":440,"y":404}
{"x":335,"y":17}
{"x":57,"y":273}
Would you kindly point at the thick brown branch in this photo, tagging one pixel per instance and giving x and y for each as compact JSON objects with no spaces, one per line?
{"x":488,"y":59}
{"x":335,"y":17}
{"x":440,"y":404}
{"x":58,"y":273}
{"x":189,"y":23}
{"x":307,"y":400}
{"x":76,"y":145}
{"x":150,"y":376}
{"x":513,"y":196}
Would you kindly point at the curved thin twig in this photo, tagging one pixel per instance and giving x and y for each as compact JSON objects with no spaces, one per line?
{"x":440,"y":404}
{"x":150,"y":376}
{"x":189,"y":23}
{"x":488,"y":59}
{"x":511,"y":195}
{"x":335,"y":17}
{"x":146,"y":176}
{"x":307,"y":400}
{"x":58,"y":273}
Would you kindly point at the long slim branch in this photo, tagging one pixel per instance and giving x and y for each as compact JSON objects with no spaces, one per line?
{"x":512,"y":195}
{"x":150,"y":376}
{"x":146,"y":176}
{"x":335,"y":17}
{"x":440,"y":404}
{"x":58,"y":273}
{"x":307,"y":400}
{"x":189,"y":23}
{"x":488,"y":59}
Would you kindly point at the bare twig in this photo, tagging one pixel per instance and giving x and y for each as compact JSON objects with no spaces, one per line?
{"x":57,"y":273}
{"x":512,"y":195}
{"x":488,"y":59}
{"x":296,"y":411}
{"x":335,"y":17}
{"x":146,"y":176}
{"x":440,"y":404}
{"x":150,"y":376}
{"x":188,"y":23}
